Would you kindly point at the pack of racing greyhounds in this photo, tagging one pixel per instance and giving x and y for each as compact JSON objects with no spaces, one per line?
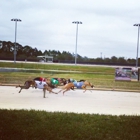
{"x":50,"y":83}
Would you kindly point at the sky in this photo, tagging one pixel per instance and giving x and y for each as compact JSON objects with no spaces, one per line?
{"x":107,"y":26}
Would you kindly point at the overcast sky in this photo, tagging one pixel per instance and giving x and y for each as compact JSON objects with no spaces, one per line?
{"x":107,"y":28}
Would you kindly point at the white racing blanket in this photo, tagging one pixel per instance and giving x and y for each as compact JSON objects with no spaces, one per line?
{"x":40,"y":84}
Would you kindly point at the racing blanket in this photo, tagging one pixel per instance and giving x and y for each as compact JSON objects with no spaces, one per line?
{"x":40,"y":84}
{"x":78,"y":84}
{"x":54,"y":82}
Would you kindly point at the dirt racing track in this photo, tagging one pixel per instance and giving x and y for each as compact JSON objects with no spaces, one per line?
{"x":95,"y":102}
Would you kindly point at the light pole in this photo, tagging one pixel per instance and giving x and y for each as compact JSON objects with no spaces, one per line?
{"x":76,"y":22}
{"x":16,"y":20}
{"x":137,"y":44}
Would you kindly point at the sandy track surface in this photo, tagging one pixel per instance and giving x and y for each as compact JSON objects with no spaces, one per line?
{"x":95,"y":102}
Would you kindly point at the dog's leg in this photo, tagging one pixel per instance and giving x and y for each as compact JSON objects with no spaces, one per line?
{"x":66,"y":90}
{"x":84,"y":88}
{"x":67,"y":87}
{"x":44,"y":91}
{"x":35,"y":86}
{"x":72,"y":88}
{"x":90,"y":90}
{"x":63,"y":92}
{"x":52,"y":92}
{"x":63,"y":88}
{"x":60,"y":91}
{"x":20,"y":88}
{"x":49,"y":89}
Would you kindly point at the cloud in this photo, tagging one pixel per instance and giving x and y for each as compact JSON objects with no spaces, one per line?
{"x":47,"y":25}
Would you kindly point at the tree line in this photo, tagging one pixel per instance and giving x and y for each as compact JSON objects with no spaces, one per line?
{"x":30,"y":54}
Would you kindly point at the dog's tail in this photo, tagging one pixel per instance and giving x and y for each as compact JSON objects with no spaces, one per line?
{"x":17,"y":86}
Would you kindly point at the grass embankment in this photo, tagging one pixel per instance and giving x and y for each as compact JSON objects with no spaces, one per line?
{"x":41,"y":125}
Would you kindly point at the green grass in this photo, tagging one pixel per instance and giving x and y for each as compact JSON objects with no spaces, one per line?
{"x":41,"y":125}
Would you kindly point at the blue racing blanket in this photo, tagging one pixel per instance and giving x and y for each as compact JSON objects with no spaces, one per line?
{"x":78,"y":84}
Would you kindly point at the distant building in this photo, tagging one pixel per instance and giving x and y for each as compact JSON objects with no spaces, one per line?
{"x":45,"y":58}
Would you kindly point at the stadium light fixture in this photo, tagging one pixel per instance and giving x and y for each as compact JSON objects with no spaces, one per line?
{"x":76,"y":22}
{"x":15,"y":52}
{"x":137,"y":44}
